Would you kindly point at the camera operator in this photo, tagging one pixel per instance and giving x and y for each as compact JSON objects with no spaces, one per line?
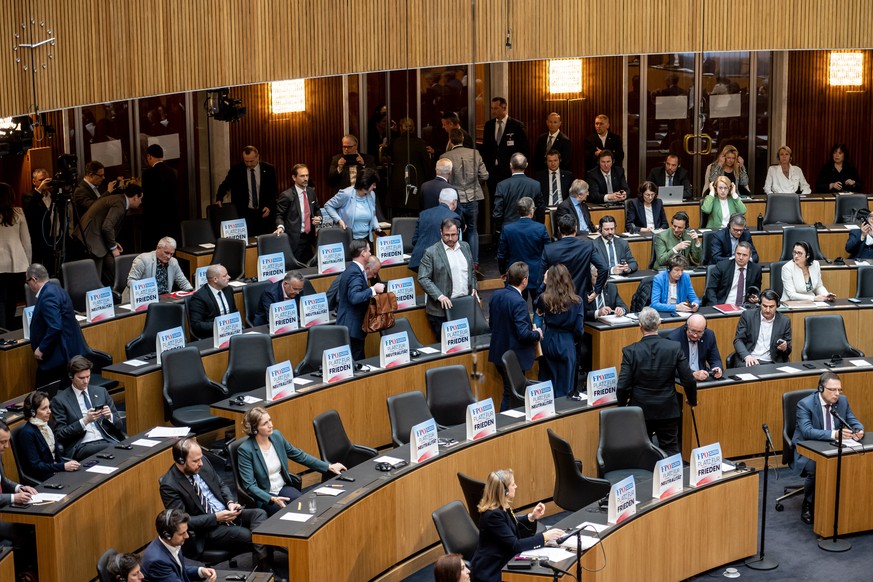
{"x":37,"y":206}
{"x":860,"y":243}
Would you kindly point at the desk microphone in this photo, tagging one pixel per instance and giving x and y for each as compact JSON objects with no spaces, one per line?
{"x":554,"y":568}
{"x":836,"y":415}
{"x":767,"y":432}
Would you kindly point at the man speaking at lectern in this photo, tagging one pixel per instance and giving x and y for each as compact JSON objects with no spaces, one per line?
{"x":815,"y":421}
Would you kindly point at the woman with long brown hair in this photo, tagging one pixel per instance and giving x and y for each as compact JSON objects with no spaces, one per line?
{"x":14,"y":254}
{"x":563,"y":314}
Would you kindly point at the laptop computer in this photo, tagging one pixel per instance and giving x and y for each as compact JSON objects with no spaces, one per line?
{"x":671,"y":193}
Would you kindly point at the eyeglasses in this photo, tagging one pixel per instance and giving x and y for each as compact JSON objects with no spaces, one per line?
{"x":833,"y":389}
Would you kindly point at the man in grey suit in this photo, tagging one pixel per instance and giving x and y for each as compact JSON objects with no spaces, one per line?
{"x":763,"y":335}
{"x":161,"y":265}
{"x":446,"y":272}
{"x":102,"y":224}
{"x":615,"y":251}
{"x":468,"y":173}
{"x":513,"y":189}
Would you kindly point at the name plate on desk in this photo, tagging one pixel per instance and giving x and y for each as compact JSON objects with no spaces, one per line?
{"x":622,"y":500}
{"x":314,"y":310}
{"x":142,"y":293}
{"x":171,"y":339}
{"x":602,"y":386}
{"x":271,"y":267}
{"x":224,"y":327}
{"x":280,"y":381}
{"x":404,"y":290}
{"x":331,"y":258}
{"x":235,"y":229}
{"x":394,"y":350}
{"x":26,"y":316}
{"x":539,"y":401}
{"x":98,"y":305}
{"x":705,"y":465}
{"x":337,"y":364}
{"x":283,"y":317}
{"x":455,"y":336}
{"x":481,"y":419}
{"x":200,"y":277}
{"x":389,"y":249}
{"x":667,"y":478}
{"x":423,"y":441}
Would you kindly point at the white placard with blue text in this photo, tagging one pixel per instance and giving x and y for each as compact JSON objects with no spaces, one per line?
{"x":314,"y":310}
{"x":142,"y":293}
{"x":404,"y":290}
{"x":423,"y":441}
{"x":283,"y":317}
{"x":225,"y":327}
{"x":539,"y":401}
{"x":26,"y":316}
{"x":98,"y":305}
{"x":481,"y":419}
{"x":622,"y":500}
{"x":455,"y":336}
{"x":331,"y":258}
{"x":389,"y":249}
{"x":170,"y":339}
{"x":602,"y":386}
{"x":337,"y":364}
{"x":200,"y":277}
{"x":705,"y":465}
{"x":235,"y":229}
{"x":271,"y":267}
{"x":667,"y":477}
{"x":280,"y":381}
{"x":394,"y":350}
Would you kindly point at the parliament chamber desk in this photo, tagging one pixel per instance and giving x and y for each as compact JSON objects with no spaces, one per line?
{"x":697,"y":530}
{"x":381,"y":525}
{"x":100,"y":511}
{"x":856,"y":490}
{"x":360,"y":401}
{"x":7,"y":564}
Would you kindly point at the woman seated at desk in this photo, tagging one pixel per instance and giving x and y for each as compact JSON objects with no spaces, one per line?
{"x":41,"y":458}
{"x":721,"y":203}
{"x":838,"y":174}
{"x":125,"y":568}
{"x":263,"y":463}
{"x":502,"y":534}
{"x":646,"y":213}
{"x":785,"y":178}
{"x":672,"y":290}
{"x":801,"y":278}
{"x":451,"y":568}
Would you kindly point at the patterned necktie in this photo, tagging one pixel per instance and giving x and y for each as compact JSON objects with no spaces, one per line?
{"x":554,"y":200}
{"x":741,"y":287}
{"x":828,"y":425}
{"x":207,"y":508}
{"x":254,"y":188}
{"x":608,"y":183}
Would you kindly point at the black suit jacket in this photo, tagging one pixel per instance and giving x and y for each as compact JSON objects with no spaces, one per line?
{"x":722,"y":277}
{"x":721,"y":246}
{"x":339,"y":179}
{"x":159,"y":201}
{"x":37,"y":461}
{"x":237,"y":183}
{"x":500,"y":538}
{"x":635,"y":214}
{"x":496,"y":156}
{"x":203,"y":309}
{"x":562,"y":145}
{"x":507,"y":195}
{"x":576,"y":254}
{"x":748,"y":328}
{"x":69,"y":432}
{"x":566,"y":207}
{"x":611,"y":298}
{"x":707,"y":348}
{"x":649,"y":369}
{"x":430,"y":192}
{"x":680,"y":178}
{"x":565,"y":177}
{"x":597,"y":183}
{"x":288,"y":214}
{"x":593,"y":143}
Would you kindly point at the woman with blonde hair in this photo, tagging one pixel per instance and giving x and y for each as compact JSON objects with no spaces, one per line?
{"x":721,"y":203}
{"x":785,"y":178}
{"x":15,"y":254}
{"x":730,"y":164}
{"x":563,"y":314}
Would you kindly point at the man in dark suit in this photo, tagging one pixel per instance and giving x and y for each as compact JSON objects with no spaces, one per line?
{"x":90,"y":188}
{"x":724,"y":242}
{"x":253,"y":190}
{"x":602,"y":139}
{"x":751,"y":339}
{"x":577,"y":254}
{"x":502,"y":136}
{"x":292,"y":286}
{"x":554,"y":139}
{"x":649,"y":369}
{"x":815,"y":421}
{"x":607,"y":180}
{"x":699,"y":346}
{"x":576,"y":206}
{"x":213,"y":299}
{"x":192,"y":485}
{"x":430,"y":190}
{"x":37,"y":205}
{"x":86,"y":421}
{"x":101,"y":225}
{"x":616,"y":251}
{"x":554,"y":180}
{"x":160,"y":208}
{"x":55,"y":336}
{"x":163,"y":559}
{"x":730,"y":279}
{"x":354,"y":296}
{"x":609,"y":302}
{"x":20,"y":536}
{"x":297,"y":214}
{"x":524,"y":241}
{"x":513,"y":189}
{"x":444,"y":278}
{"x":511,"y":328}
{"x":858,"y":246}
{"x":427,"y":227}
{"x":671,"y":174}
{"x":345,"y":167}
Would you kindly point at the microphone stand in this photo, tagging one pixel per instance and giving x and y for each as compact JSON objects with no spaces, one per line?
{"x":834,"y":544}
{"x":761,"y":562}
{"x":578,"y":535}
{"x":694,"y":422}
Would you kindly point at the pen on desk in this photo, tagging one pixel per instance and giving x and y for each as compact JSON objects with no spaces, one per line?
{"x":334,"y":486}
{"x":299,"y":506}
{"x":41,"y":503}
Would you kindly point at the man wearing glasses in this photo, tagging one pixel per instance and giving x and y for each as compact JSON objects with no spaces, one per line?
{"x":89,"y":189}
{"x":816,"y":421}
{"x":344,"y":167}
{"x":699,"y":346}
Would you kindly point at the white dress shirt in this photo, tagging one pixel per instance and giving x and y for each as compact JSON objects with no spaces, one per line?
{"x":459,"y":270}
{"x":92,"y":433}
{"x":761,"y":351}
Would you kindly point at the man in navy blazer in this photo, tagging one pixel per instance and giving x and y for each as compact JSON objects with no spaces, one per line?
{"x":354,"y":296}
{"x":427,"y":228}
{"x":617,"y":189}
{"x":814,"y":422}
{"x":577,"y":254}
{"x":292,"y":286}
{"x":213,"y":299}
{"x":724,"y":242}
{"x":695,"y":338}
{"x":524,"y":241}
{"x":561,"y":180}
{"x":511,"y":327}
{"x":256,"y":207}
{"x":860,"y":242}
{"x":430,"y":190}
{"x":55,"y":336}
{"x":575,"y":206}
{"x":513,"y":189}
{"x":723,"y":282}
{"x":163,"y":560}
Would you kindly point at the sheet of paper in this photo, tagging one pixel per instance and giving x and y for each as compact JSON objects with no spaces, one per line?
{"x":590,"y":525}
{"x":145,"y":442}
{"x":125,"y":306}
{"x":387,"y":459}
{"x":237,"y":284}
{"x":788,"y":369}
{"x":332,"y":491}
{"x":135,"y":363}
{"x":163,"y":432}
{"x":726,"y":468}
{"x":80,"y":317}
{"x":861,"y":262}
{"x":207,"y":245}
{"x":851,"y":444}
{"x":822,"y":304}
{"x":103,"y":469}
{"x":298,"y":517}
{"x":251,"y":399}
{"x":428,"y":350}
{"x":617,"y":277}
{"x":47,"y":497}
{"x":852,"y":227}
{"x":683,"y":314}
{"x":553,"y":554}
{"x":586,"y":542}
{"x":860,"y":363}
{"x":302,"y":381}
{"x":747,"y":377}
{"x":513,"y":413}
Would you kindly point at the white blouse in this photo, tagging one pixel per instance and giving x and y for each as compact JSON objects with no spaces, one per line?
{"x":777,"y":183}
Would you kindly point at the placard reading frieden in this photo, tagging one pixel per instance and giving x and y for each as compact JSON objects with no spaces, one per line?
{"x":455,"y":336}
{"x":667,"y":477}
{"x":423,"y":441}
{"x":331,"y":258}
{"x":337,"y":364}
{"x":224,"y":327}
{"x":200,"y":277}
{"x":314,"y":310}
{"x":622,"y":500}
{"x":283,"y":317}
{"x":404,"y":290}
{"x":170,"y":339}
{"x":98,"y":305}
{"x":26,"y":316}
{"x":235,"y":229}
{"x":705,"y":465}
{"x":481,"y":419}
{"x":280,"y":381}
{"x":601,"y":386}
{"x":142,"y":293}
{"x":394,"y":350}
{"x":271,"y":267}
{"x":539,"y":401}
{"x":389,"y":249}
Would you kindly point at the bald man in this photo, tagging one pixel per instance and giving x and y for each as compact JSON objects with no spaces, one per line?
{"x":699,"y":346}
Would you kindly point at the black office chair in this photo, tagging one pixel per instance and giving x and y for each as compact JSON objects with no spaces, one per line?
{"x":402,"y":324}
{"x":467,"y":306}
{"x":518,"y":382}
{"x":710,"y":269}
{"x":789,"y":424}
{"x":458,"y":533}
{"x":231,"y":254}
{"x":30,"y":296}
{"x":248,"y":357}
{"x":331,"y":235}
{"x":99,"y":360}
{"x":706,"y":257}
{"x":188,"y":391}
{"x":846,"y":206}
{"x":448,"y":394}
{"x":252,"y":294}
{"x":864,"y":289}
{"x":795,"y":234}
{"x":573,"y":490}
{"x":405,"y":411}
{"x":196,"y":232}
{"x":103,"y":566}
{"x":733,"y":361}
{"x":825,"y":336}
{"x":19,"y":453}
{"x":320,"y":338}
{"x":233,"y":456}
{"x":553,"y":219}
{"x":269,"y":244}
{"x":79,"y":278}
{"x":123,"y":263}
{"x":776,"y":276}
{"x":405,"y":227}
{"x":334,"y":445}
{"x":216,"y":214}
{"x":159,"y":317}
{"x":783,"y":209}
{"x":625,"y":448}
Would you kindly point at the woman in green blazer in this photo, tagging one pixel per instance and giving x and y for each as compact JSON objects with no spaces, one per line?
{"x":721,"y":203}
{"x":263,"y":463}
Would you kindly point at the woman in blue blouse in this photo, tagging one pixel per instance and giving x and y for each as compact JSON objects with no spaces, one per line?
{"x":355,"y":207}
